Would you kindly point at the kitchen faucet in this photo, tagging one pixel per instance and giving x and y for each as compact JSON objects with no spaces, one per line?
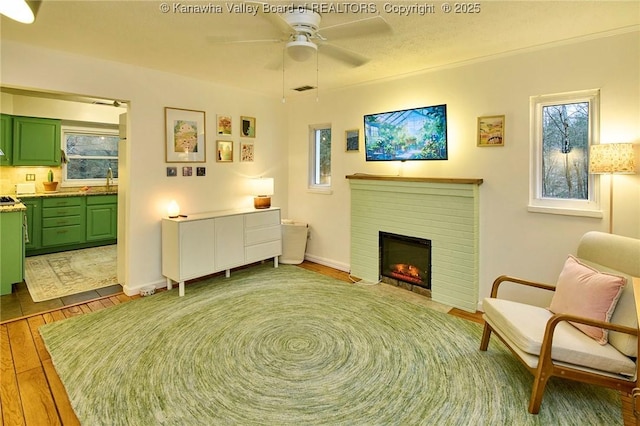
{"x":109,"y":178}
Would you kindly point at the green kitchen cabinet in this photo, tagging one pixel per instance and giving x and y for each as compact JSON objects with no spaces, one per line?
{"x":102,"y":217}
{"x":6,"y":139}
{"x":36,"y":141}
{"x":11,"y":250}
{"x":63,"y":221}
{"x":34,"y":222}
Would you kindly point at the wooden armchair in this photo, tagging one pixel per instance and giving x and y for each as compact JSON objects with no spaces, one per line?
{"x":550,"y":344}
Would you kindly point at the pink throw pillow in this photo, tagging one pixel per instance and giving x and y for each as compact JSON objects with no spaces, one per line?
{"x":587,"y":292}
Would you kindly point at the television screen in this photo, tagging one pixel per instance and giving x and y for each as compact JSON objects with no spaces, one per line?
{"x":410,"y":134}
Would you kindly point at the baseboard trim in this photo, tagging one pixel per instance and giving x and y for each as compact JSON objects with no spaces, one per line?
{"x":328,"y":262}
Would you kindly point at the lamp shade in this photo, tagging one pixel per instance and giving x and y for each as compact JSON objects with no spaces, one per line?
{"x":18,"y":10}
{"x":262,"y":186}
{"x":173,"y":209}
{"x":612,"y":158}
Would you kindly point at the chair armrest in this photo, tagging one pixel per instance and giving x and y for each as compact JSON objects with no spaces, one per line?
{"x":547,"y":341}
{"x":506,"y":278}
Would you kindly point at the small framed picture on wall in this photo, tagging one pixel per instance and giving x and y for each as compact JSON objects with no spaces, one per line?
{"x":491,"y":130}
{"x":224,"y":151}
{"x":352,"y":138}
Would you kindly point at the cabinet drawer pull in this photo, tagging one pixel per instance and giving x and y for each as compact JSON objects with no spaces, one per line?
{"x":63,"y":222}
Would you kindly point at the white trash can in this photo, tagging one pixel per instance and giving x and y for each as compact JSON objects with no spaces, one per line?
{"x":294,"y":241}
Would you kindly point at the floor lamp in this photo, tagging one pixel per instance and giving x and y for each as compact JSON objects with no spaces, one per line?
{"x":610,"y":159}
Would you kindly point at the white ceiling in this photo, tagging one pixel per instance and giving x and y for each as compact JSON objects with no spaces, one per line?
{"x":139,"y":33}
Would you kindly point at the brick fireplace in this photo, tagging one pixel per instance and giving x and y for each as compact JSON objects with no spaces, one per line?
{"x":444,"y":211}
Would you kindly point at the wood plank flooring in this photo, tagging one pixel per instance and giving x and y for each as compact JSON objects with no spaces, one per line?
{"x":31,"y":392}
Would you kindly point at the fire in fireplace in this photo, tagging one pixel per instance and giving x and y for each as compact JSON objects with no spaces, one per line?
{"x":405,"y":258}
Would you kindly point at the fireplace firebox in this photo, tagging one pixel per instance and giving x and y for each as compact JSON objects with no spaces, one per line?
{"x":405,"y":258}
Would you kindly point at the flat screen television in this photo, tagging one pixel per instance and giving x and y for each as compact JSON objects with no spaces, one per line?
{"x":410,"y":134}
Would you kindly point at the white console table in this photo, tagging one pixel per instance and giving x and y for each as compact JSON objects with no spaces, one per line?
{"x":205,"y":243}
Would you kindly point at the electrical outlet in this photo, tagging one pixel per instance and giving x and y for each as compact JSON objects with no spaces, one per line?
{"x":31,"y":177}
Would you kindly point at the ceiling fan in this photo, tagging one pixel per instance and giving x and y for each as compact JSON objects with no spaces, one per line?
{"x":303,"y":36}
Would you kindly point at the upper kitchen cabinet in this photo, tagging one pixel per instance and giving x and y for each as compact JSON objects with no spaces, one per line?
{"x":36,"y":141}
{"x":6,"y":139}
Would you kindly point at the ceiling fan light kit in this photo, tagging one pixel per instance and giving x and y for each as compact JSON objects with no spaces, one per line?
{"x":301,"y":49}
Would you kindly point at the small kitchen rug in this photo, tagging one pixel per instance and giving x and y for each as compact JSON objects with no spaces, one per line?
{"x":55,"y":275}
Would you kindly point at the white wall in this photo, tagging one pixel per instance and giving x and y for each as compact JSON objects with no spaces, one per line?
{"x":512,"y":240}
{"x":144,"y":188}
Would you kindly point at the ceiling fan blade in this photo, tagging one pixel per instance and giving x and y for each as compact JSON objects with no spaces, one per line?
{"x":275,"y":18}
{"x":238,"y":40}
{"x":375,"y":25}
{"x":343,"y":55}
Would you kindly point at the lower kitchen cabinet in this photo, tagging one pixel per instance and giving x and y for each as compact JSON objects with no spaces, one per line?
{"x":64,"y":223}
{"x":102,"y":217}
{"x":33,"y":223}
{"x":11,"y":250}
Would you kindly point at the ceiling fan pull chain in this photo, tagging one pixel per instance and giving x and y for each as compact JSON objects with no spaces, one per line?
{"x":283,"y":55}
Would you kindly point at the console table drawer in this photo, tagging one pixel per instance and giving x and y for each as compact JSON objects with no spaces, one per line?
{"x":262,"y":235}
{"x":254,"y":220}
{"x":263,"y":251}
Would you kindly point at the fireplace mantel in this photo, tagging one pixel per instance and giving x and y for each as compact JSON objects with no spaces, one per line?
{"x":365,"y":176}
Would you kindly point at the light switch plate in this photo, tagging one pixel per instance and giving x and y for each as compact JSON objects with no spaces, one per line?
{"x":31,"y":177}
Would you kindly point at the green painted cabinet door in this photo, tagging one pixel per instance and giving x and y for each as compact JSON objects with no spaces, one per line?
{"x":36,"y":141}
{"x":11,"y":250}
{"x":102,"y":217}
{"x":6,"y":139}
{"x":34,"y":222}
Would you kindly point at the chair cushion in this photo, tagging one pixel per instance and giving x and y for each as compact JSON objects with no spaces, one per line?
{"x":524,"y":325}
{"x":586,"y":292}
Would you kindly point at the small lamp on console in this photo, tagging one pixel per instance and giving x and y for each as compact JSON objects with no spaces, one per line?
{"x":262,"y":188}
{"x":173,"y":209}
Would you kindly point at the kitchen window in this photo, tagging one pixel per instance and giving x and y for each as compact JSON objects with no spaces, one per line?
{"x":90,"y":153}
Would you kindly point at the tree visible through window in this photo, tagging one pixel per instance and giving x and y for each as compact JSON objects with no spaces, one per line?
{"x":564,"y":126}
{"x":320,"y":149}
{"x":565,"y":151}
{"x":90,"y":154}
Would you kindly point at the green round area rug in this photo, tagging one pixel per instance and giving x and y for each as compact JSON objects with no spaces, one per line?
{"x":288,"y":346}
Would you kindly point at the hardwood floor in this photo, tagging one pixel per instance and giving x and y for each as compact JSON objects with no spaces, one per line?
{"x":31,"y":392}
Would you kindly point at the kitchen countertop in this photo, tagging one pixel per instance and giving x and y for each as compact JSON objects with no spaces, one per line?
{"x":17,"y":207}
{"x":69,"y":194}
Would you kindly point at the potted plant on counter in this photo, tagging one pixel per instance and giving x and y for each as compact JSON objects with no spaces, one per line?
{"x":50,"y":185}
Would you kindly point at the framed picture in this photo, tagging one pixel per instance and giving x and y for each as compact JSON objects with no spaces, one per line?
{"x":185,"y":135}
{"x":352,"y":138}
{"x":187,"y":171}
{"x":224,"y":151}
{"x":247,"y":127}
{"x":201,"y":171}
{"x":246,"y":151}
{"x":491,"y":130}
{"x":172,"y":171}
{"x":224,"y":125}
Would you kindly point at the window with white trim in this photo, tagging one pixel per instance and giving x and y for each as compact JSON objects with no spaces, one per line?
{"x":90,"y":153}
{"x":320,"y":156}
{"x":563,"y":127}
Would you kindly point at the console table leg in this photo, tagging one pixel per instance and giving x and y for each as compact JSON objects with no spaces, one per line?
{"x":227,"y":273}
{"x":181,"y":288}
{"x":169,"y":284}
{"x":275,"y":262}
